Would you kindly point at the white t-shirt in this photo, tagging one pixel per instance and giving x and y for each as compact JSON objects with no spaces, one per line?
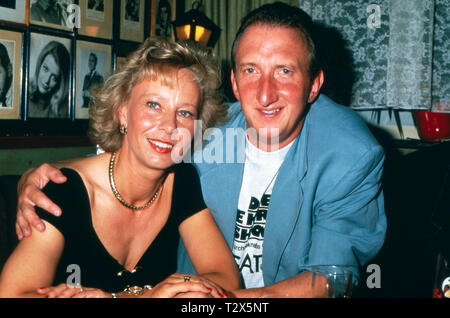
{"x":260,"y":172}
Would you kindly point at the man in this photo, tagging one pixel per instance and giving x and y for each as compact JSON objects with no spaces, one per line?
{"x":309,"y":190}
{"x":91,"y":79}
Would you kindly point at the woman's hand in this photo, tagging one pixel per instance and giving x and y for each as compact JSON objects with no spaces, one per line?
{"x":185,"y":285}
{"x":66,"y":291}
{"x":216,"y":290}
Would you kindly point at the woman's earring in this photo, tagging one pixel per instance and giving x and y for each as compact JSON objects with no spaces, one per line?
{"x":123,"y":130}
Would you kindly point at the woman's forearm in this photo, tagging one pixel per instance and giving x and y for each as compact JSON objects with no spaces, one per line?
{"x":20,"y":294}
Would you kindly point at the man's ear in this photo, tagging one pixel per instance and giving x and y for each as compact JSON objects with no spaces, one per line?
{"x":316,"y":85}
{"x":234,"y":85}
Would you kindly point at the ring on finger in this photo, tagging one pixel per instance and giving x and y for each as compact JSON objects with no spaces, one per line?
{"x":187,"y":278}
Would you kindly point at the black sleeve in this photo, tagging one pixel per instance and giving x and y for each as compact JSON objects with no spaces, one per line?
{"x":187,"y":193}
{"x":69,"y":196}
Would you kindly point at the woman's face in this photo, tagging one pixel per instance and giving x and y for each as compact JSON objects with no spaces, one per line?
{"x":160,"y":119}
{"x":49,"y":75}
{"x":134,"y":7}
{"x":164,"y":14}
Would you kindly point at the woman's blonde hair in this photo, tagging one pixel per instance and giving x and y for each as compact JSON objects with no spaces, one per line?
{"x":157,"y":58}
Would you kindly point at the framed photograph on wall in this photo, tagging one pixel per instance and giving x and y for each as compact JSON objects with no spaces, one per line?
{"x":92,"y":68}
{"x":50,"y":13}
{"x":163,"y":13}
{"x":10,"y":74}
{"x":13,"y":10}
{"x":96,"y":18}
{"x":49,"y":77}
{"x":132,"y":20}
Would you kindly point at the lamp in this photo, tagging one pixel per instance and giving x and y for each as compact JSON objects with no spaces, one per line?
{"x":195,"y":25}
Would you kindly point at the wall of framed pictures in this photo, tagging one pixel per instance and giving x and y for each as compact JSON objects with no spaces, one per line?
{"x":53,"y":52}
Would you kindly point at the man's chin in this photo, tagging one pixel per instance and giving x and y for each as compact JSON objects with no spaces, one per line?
{"x":267,"y":142}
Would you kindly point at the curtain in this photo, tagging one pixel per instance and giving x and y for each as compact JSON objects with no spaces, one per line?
{"x":441,"y":58}
{"x":380,"y":54}
{"x":402,"y":63}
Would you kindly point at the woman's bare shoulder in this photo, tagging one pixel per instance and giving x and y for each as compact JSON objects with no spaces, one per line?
{"x":93,"y":170}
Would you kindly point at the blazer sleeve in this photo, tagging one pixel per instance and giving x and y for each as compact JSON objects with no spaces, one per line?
{"x":349,"y":223}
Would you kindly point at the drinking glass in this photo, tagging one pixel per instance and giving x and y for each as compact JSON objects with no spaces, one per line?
{"x":331,"y":281}
{"x":441,"y":287}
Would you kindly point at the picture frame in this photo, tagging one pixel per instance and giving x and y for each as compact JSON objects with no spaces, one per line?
{"x":14,"y":11}
{"x":132,"y":20}
{"x":55,"y":17}
{"x":93,"y":66}
{"x":49,"y":83}
{"x":96,"y":18}
{"x":162,"y":14}
{"x":10,"y":74}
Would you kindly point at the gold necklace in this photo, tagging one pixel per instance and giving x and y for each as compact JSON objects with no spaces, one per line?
{"x":118,"y":196}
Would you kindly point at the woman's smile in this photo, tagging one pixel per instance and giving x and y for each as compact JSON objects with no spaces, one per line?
{"x":161,"y":146}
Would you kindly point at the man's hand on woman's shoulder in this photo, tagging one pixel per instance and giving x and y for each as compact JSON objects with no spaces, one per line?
{"x":29,"y":190}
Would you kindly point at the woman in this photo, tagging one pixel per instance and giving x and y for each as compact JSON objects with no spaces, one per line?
{"x":124,"y":210}
{"x":5,"y":77}
{"x":49,"y":89}
{"x":163,"y":25}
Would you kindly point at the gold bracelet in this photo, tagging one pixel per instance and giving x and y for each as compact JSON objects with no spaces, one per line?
{"x":135,"y":290}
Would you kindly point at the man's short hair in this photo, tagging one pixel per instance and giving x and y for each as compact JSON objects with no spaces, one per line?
{"x":282,"y":15}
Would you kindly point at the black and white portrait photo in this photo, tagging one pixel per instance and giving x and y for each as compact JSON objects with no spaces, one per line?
{"x":6,"y":73}
{"x":10,"y":73}
{"x":49,"y":12}
{"x":48,"y":90}
{"x":96,"y":18}
{"x":93,"y":66}
{"x":163,"y":13}
{"x":92,"y":78}
{"x":12,"y":10}
{"x":132,"y":20}
{"x":163,"y":25}
{"x":132,"y":8}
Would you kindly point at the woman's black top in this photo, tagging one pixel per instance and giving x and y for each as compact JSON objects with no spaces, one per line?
{"x":84,"y":254}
